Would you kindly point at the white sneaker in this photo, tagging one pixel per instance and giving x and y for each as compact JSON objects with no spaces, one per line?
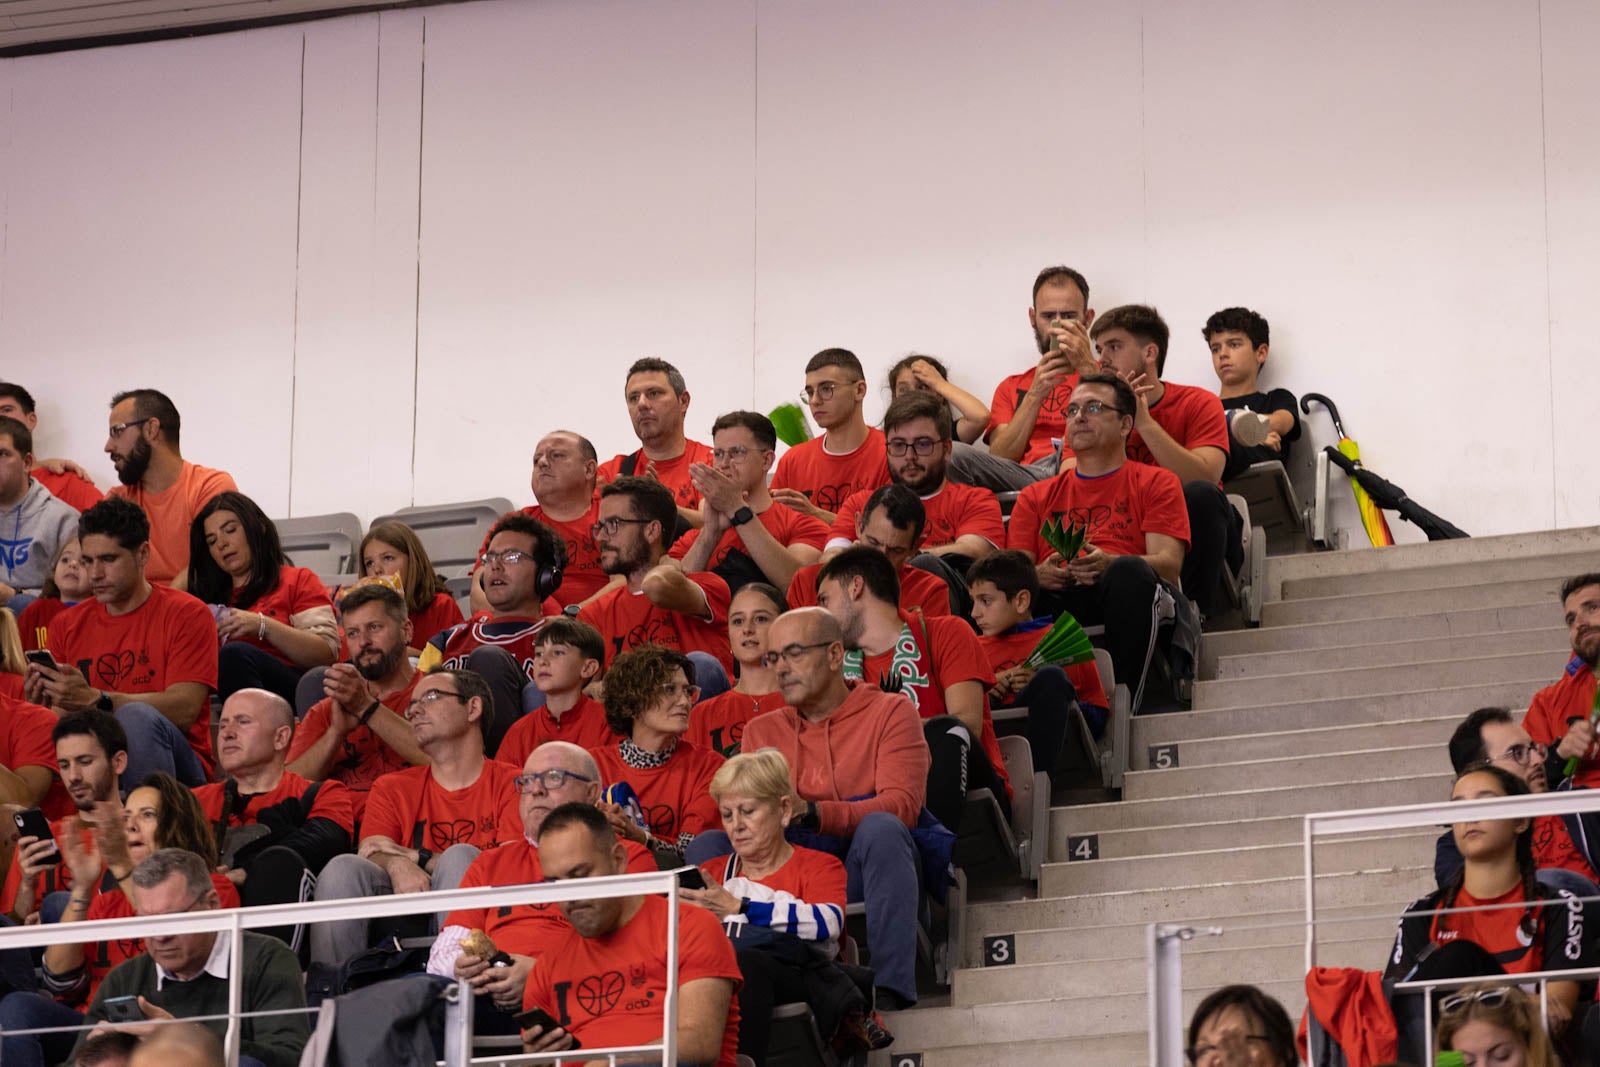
{"x":1248,"y":428}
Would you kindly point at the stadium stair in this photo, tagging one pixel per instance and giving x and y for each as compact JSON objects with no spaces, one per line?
{"x":1343,"y":698}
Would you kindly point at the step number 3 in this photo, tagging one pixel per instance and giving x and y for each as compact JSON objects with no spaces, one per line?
{"x":1000,"y":950}
{"x":1163,"y":757}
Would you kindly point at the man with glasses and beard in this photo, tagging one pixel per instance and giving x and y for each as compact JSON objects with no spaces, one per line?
{"x":143,"y":446}
{"x":356,"y":734}
{"x":425,"y":825}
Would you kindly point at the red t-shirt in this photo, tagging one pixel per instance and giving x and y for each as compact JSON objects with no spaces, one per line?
{"x":172,"y":511}
{"x":1049,"y":428}
{"x":717,"y":724}
{"x":954,"y":511}
{"x":57,"y":877}
{"x":945,"y":654}
{"x":626,"y":619}
{"x":672,"y":473}
{"x":1555,"y":706}
{"x":676,"y":796}
{"x":827,"y":479}
{"x":71,"y":489}
{"x":297,"y":593}
{"x":363,"y":756}
{"x":1553,"y":847}
{"x":582,"y":577}
{"x":918,"y":589}
{"x":787,"y":526}
{"x":11,"y":685}
{"x":808,"y":875}
{"x":410,"y":809}
{"x":35,"y":620}
{"x":583,"y":724}
{"x":516,"y":635}
{"x":1015,"y":645}
{"x":170,"y":638}
{"x":441,"y":614}
{"x":526,"y":929}
{"x":332,"y":802}
{"x":1120,"y":508}
{"x":1497,"y":931}
{"x":101,"y":956}
{"x":25,"y":741}
{"x":1191,"y":415}
{"x":608,"y":991}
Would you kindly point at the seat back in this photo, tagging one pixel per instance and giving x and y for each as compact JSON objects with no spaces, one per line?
{"x":794,"y":1041}
{"x":452,"y":533}
{"x":324,"y":544}
{"x":1274,"y":506}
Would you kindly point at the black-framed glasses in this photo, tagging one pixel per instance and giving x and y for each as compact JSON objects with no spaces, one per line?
{"x":432,"y":696}
{"x":1201,"y":1055}
{"x":1522,"y":755}
{"x":790,"y":653}
{"x":1467,"y":997}
{"x":506,"y":559}
{"x":922,"y":446}
{"x":120,"y":428}
{"x":550,"y":780}
{"x":1091,"y":407}
{"x":610,"y":526}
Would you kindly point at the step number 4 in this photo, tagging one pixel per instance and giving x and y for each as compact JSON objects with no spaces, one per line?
{"x":1000,"y":950}
{"x":1163,"y":757}
{"x":1083,"y":847}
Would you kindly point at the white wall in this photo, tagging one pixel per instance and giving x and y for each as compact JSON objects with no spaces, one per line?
{"x":373,"y":258}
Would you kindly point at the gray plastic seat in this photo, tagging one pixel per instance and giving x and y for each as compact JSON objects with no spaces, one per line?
{"x":452,"y":533}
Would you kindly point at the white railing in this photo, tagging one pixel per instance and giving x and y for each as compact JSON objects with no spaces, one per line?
{"x":234,"y":921}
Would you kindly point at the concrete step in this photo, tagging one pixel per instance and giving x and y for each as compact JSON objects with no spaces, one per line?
{"x":1442,"y":576}
{"x":1220,"y":897}
{"x":1211,"y":751}
{"x":1393,"y":851}
{"x":1320,"y":634}
{"x":1544,"y":639}
{"x":1431,"y":554}
{"x":1191,"y":837}
{"x":1275,"y":717}
{"x":1407,"y":604}
{"x":1112,"y":1050}
{"x":1369,"y":681}
{"x":1409,"y":787}
{"x":1303,"y":771}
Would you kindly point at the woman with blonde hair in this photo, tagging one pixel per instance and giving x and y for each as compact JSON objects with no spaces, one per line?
{"x":1494,"y":1025}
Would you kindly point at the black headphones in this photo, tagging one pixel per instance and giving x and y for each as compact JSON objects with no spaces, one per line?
{"x":551,"y":557}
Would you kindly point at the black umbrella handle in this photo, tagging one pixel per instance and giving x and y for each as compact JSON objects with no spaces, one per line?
{"x":1333,"y":411}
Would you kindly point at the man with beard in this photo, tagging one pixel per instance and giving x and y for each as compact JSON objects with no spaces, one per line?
{"x":746,"y":536}
{"x":659,"y":603}
{"x":1561,"y":715}
{"x":143,"y":446}
{"x":658,"y":399}
{"x":356,"y":733}
{"x":1026,"y":425}
{"x":816,"y":476}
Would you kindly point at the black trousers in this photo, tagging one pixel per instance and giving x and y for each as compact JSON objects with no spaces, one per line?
{"x":768,"y":982}
{"x":1216,"y":538}
{"x":1124,"y":601}
{"x":958,"y":764}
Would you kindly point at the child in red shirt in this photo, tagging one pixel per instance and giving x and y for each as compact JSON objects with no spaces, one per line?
{"x":567,"y":657}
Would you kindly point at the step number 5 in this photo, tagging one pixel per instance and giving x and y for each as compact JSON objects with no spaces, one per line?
{"x":1163,"y":757}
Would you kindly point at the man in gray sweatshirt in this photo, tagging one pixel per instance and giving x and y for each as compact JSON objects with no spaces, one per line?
{"x":33,"y":523}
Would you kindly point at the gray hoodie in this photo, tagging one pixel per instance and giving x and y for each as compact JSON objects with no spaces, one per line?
{"x":30,"y":535}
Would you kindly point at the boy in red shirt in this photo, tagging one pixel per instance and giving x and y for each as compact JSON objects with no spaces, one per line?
{"x":1003,"y":588}
{"x":816,"y":477}
{"x":566,"y":658}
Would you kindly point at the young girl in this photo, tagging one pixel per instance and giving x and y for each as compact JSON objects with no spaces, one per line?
{"x":393,"y":548}
{"x":68,"y":583}
{"x":718,"y":723}
{"x":928,"y":374}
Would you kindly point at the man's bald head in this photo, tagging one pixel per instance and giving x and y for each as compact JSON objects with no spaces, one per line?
{"x":563,"y":755}
{"x":179,"y":1045}
{"x":809,"y":646}
{"x":804,"y":626}
{"x":254,"y":732}
{"x":537,"y":797}
{"x":270,"y":706}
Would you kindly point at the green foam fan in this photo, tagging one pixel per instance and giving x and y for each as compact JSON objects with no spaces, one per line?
{"x":789,"y":420}
{"x":1067,"y":540}
{"x":1064,"y":644}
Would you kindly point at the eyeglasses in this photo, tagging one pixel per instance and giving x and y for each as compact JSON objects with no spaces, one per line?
{"x":733,"y":452}
{"x":1091,"y":407}
{"x":790,"y":653}
{"x":505,"y":559}
{"x":1056,"y":316}
{"x":922,"y":446}
{"x":118,"y":429}
{"x":1204,"y":1054}
{"x":674,"y":690}
{"x":1522,"y":755}
{"x":610,"y":526}
{"x":550,"y":780}
{"x":822,"y":391}
{"x":1465,"y":999}
{"x":432,"y":696}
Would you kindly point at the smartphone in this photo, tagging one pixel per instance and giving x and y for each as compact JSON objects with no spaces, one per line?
{"x":123,"y":1010}
{"x":691,"y":879}
{"x":534,"y":1017}
{"x":32,"y":823}
{"x":42,"y":658}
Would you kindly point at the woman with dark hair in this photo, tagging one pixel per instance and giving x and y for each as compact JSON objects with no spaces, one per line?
{"x":717,"y":723}
{"x":1240,"y":1026}
{"x":648,"y":693}
{"x":393,"y":550}
{"x":928,"y":374}
{"x":275,"y":621}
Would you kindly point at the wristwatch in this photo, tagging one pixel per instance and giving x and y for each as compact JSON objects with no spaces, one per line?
{"x":810,"y":819}
{"x":104,"y":702}
{"x":742,"y":516}
{"x":571,"y":611}
{"x":424,"y":857}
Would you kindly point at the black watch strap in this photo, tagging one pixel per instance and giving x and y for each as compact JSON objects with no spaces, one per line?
{"x":742,"y":516}
{"x":424,"y":857}
{"x":104,"y":702}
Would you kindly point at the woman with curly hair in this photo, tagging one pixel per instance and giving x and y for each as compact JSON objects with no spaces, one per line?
{"x":649,"y":691}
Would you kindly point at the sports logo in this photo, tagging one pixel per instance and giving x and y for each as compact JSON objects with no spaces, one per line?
{"x":442,"y":835}
{"x":115,"y":667}
{"x":15,"y":553}
{"x":599,"y":993}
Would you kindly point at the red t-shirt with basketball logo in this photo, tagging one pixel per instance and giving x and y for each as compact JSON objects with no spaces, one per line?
{"x":332,"y":802}
{"x":168,"y":639}
{"x":828,"y":479}
{"x":672,"y":473}
{"x":676,"y":796}
{"x":584,"y":724}
{"x":609,"y":991}
{"x":298,"y":591}
{"x":787,"y":526}
{"x":582,"y":577}
{"x":1191,"y":415}
{"x":1049,"y":428}
{"x":717,"y":724}
{"x":363,"y":757}
{"x":1015,"y":645}
{"x":1120,"y":508}
{"x":409,"y":808}
{"x":954,"y":511}
{"x":1553,"y":847}
{"x":626,"y":619}
{"x":524,"y":929}
{"x":100,"y":957}
{"x":918,"y":589}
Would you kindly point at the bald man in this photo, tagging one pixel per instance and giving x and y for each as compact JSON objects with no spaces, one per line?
{"x":555,"y":773}
{"x":178,"y":1045}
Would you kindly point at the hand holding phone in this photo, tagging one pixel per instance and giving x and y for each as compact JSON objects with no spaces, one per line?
{"x":123,"y":1010}
{"x":545,"y":1022}
{"x":41,"y":657}
{"x":691,"y":878}
{"x":32,"y":823}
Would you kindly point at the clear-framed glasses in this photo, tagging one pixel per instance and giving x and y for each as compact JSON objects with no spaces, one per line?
{"x":610,"y":526}
{"x":432,"y":696}
{"x":1091,"y":407}
{"x":922,"y":446}
{"x":676,"y":690}
{"x":1522,"y":755}
{"x":790,"y":653}
{"x":550,"y":780}
{"x":822,"y":391}
{"x":508,"y":558}
{"x":732,"y":452}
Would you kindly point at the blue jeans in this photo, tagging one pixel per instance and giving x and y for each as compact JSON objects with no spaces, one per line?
{"x":27,"y":1011}
{"x":156,"y":744}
